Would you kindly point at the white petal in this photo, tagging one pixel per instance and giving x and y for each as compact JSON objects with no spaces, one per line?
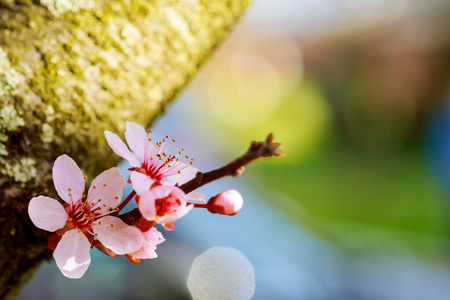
{"x":108,"y":188}
{"x":147,"y":205}
{"x":47,"y":213}
{"x":72,"y":254}
{"x":68,"y":179}
{"x":169,"y":218}
{"x":136,"y":138}
{"x":141,"y":182}
{"x":114,"y":234}
{"x":185,"y":175}
{"x":196,"y":196}
{"x":121,"y":149}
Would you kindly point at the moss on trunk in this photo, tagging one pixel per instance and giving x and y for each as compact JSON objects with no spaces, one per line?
{"x":69,"y":69}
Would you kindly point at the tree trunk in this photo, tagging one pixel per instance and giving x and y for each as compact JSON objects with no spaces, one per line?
{"x":69,"y":69}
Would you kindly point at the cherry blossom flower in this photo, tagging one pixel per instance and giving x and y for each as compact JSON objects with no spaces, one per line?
{"x":150,"y":239}
{"x":164,"y":205}
{"x":228,"y":202}
{"x":81,"y":218}
{"x":152,"y":163}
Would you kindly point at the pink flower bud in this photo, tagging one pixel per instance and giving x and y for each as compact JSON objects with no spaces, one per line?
{"x":228,"y":202}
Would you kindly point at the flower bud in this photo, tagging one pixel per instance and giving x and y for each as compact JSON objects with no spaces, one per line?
{"x":228,"y":202}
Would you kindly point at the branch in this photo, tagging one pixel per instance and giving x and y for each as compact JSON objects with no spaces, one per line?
{"x":235,"y":168}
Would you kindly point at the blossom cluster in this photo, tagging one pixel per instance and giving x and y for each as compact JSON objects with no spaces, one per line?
{"x":92,"y":219}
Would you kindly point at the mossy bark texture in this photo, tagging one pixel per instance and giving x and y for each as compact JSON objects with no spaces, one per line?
{"x":69,"y":69}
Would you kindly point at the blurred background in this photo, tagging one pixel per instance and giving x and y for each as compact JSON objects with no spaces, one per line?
{"x":358,"y":94}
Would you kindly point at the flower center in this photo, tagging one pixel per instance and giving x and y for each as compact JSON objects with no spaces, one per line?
{"x":159,"y":164}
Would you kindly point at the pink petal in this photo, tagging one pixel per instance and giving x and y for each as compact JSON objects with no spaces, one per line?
{"x":144,"y":253}
{"x":72,"y":254}
{"x":47,"y":213}
{"x":196,"y":196}
{"x":151,"y":239}
{"x":169,"y":218}
{"x":185,"y":175}
{"x":108,"y":188}
{"x":114,"y":234}
{"x":136,"y":138}
{"x":141,"y":182}
{"x":147,"y":205}
{"x":121,"y":149}
{"x":68,"y":179}
{"x":163,"y":191}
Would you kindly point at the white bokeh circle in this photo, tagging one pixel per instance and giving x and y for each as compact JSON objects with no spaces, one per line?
{"x":221,"y":273}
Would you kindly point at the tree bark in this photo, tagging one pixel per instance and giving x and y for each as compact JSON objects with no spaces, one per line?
{"x":69,"y":69}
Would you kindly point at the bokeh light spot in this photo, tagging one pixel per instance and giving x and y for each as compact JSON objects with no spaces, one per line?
{"x":221,"y":273}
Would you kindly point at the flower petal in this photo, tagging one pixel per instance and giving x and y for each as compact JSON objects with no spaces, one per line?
{"x":151,"y":239}
{"x":147,"y":205}
{"x":108,"y":188}
{"x":121,"y":149}
{"x":47,"y":213}
{"x":169,"y":218}
{"x":196,"y":196}
{"x":136,"y":138}
{"x":114,"y":234}
{"x":185,"y":175}
{"x":141,"y":182}
{"x":72,"y":254}
{"x":68,"y":179}
{"x":162,"y":191}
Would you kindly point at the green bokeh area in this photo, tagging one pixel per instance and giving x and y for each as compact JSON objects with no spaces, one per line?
{"x":361,"y":199}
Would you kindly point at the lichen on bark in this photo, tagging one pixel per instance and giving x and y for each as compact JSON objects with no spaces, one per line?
{"x":69,"y":69}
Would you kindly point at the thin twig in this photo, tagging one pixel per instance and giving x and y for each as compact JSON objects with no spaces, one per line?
{"x":256,"y":150}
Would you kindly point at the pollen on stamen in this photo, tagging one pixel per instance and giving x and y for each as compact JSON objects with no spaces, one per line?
{"x":70,"y":194}
{"x":148,"y":131}
{"x":94,"y":187}
{"x":99,"y":200}
{"x":70,"y":219}
{"x":69,"y":189}
{"x":116,"y":197}
{"x":104,"y":185}
{"x":149,"y":139}
{"x":96,"y":234}
{"x":84,"y":177}
{"x":99,"y":223}
{"x":179,"y":172}
{"x":112,"y":225}
{"x":104,"y":205}
{"x":79,"y":231}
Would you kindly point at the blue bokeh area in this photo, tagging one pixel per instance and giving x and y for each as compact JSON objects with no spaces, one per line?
{"x":438,"y":144}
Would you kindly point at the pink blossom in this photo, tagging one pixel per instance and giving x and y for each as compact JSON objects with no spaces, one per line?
{"x":228,"y":202}
{"x":150,"y":239}
{"x":164,"y":205}
{"x":79,"y":219}
{"x":151,"y":163}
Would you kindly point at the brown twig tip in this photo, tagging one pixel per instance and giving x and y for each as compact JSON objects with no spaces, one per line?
{"x":269,"y":138}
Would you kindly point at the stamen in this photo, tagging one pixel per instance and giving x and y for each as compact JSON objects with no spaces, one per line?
{"x":104,"y":185}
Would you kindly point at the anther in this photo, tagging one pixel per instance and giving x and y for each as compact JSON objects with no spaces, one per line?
{"x":112,"y":225}
{"x":179,"y":172}
{"x":116,"y":197}
{"x":70,"y":194}
{"x":69,"y":189}
{"x":99,"y":200}
{"x":94,"y":186}
{"x":104,"y":184}
{"x":173,"y":140}
{"x":99,"y":223}
{"x":84,"y":177}
{"x":104,"y":205}
{"x":96,"y":234}
{"x":79,"y":231}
